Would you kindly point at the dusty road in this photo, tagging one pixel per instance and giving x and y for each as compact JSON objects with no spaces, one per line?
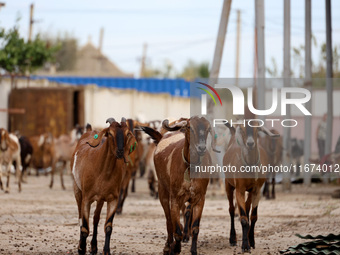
{"x":44,"y":221}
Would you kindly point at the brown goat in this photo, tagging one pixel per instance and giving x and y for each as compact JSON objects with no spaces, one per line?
{"x":64,"y":147}
{"x":44,"y":154}
{"x":98,"y":167}
{"x":186,"y":142}
{"x":132,"y":166}
{"x":243,"y":151}
{"x":9,"y":152}
{"x":273,"y":148}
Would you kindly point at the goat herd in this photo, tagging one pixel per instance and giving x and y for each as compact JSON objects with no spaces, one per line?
{"x":104,"y":162}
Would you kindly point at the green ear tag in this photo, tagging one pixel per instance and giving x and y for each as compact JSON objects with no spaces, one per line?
{"x":238,"y":142}
{"x":215,"y":136}
{"x":95,"y":136}
{"x":134,"y":147}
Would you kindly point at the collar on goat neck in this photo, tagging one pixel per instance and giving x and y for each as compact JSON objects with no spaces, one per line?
{"x":244,"y":162}
{"x":188,"y":163}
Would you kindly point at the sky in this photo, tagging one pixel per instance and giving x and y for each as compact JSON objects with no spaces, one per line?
{"x":174,"y":31}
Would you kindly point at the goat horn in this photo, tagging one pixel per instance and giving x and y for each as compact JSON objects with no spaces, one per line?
{"x":123,"y":119}
{"x":267,"y":132}
{"x":110,"y":120}
{"x":175,"y":127}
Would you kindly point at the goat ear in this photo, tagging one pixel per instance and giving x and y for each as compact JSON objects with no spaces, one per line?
{"x":131,"y":145}
{"x":8,"y":141}
{"x":96,"y":139}
{"x":213,"y":140}
{"x":231,"y":128}
{"x":267,"y":132}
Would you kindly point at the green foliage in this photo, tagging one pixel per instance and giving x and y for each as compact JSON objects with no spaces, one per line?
{"x":166,"y":71}
{"x":18,"y":57}
{"x":66,"y":56}
{"x":194,"y":70}
{"x":318,"y":69}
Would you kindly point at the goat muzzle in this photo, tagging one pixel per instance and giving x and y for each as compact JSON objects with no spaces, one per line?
{"x":120,"y":154}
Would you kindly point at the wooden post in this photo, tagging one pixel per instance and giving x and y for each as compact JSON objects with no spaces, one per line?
{"x":286,"y":75}
{"x":308,"y":85}
{"x":329,"y":76}
{"x":216,"y":64}
{"x":222,"y":31}
{"x":31,"y":23}
{"x":238,"y":31}
{"x":142,"y":65}
{"x":261,"y":66}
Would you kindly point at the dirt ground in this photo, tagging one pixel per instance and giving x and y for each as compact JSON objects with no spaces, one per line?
{"x":44,"y":221}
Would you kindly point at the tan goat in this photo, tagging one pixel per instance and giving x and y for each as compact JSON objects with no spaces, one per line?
{"x":177,"y":152}
{"x":9,"y":152}
{"x":243,"y":151}
{"x":98,"y":166}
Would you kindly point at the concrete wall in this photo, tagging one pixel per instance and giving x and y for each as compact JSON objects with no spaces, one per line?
{"x":5,"y":88}
{"x":102,"y":103}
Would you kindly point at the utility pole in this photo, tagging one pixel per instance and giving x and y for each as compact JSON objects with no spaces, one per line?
{"x":222,"y":31}
{"x":31,"y":22}
{"x":329,"y":76}
{"x":101,"y":38}
{"x":308,"y":85}
{"x":216,"y":64}
{"x":286,"y":75}
{"x":261,"y":66}
{"x":237,"y":66}
{"x":142,"y":66}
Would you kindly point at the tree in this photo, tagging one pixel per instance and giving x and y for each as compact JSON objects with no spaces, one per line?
{"x":20,"y":58}
{"x":318,"y":69}
{"x":66,"y":56}
{"x":194,"y":70}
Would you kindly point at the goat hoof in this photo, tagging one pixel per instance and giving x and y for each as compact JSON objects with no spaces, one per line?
{"x":94,"y":251}
{"x":233,"y":244}
{"x":246,"y":248}
{"x":81,"y":252}
{"x":186,"y":238}
{"x":166,"y":250}
{"x":252,"y":244}
{"x":6,"y":191}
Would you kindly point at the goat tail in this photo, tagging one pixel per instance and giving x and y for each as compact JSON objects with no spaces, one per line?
{"x":155,"y":135}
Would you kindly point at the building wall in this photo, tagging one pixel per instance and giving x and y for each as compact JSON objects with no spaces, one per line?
{"x":5,"y":88}
{"x":102,"y":103}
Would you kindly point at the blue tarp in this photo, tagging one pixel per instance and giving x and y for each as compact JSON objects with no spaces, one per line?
{"x":174,"y":87}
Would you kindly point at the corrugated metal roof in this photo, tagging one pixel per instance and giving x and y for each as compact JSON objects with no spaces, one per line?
{"x":324,"y":245}
{"x":174,"y":87}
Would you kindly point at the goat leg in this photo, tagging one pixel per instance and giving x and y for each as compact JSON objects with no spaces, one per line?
{"x":111,"y":209}
{"x":240,"y":197}
{"x":255,"y":201}
{"x":230,"y":194}
{"x":195,"y":227}
{"x":187,"y":223}
{"x":84,"y":229}
{"x":96,"y":217}
{"x":177,"y":226}
{"x":8,"y":177}
{"x":164,"y":199}
{"x":62,"y":174}
{"x":273,"y":187}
